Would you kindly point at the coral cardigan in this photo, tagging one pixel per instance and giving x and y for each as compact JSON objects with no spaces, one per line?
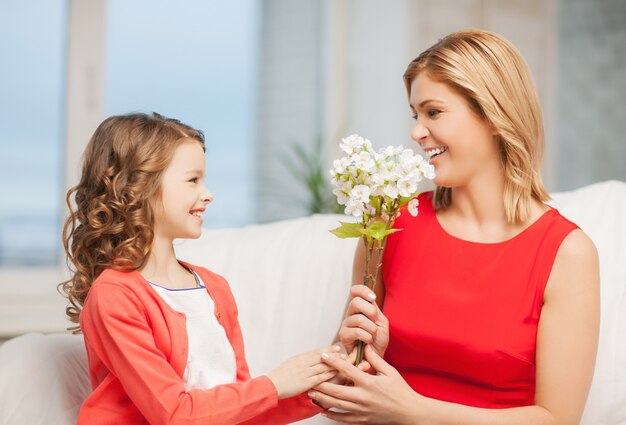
{"x":137,"y":351}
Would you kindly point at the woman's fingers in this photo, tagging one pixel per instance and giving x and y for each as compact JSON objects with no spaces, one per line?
{"x":360,"y":306}
{"x":331,"y":401}
{"x":361,"y":322}
{"x":349,"y":336}
{"x":362,"y":291}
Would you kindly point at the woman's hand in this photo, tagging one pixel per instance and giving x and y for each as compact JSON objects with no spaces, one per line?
{"x":303,"y":372}
{"x":384,"y":398}
{"x":364,"y":322}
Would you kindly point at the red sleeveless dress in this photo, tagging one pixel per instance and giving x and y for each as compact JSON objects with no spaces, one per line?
{"x":463,"y":315}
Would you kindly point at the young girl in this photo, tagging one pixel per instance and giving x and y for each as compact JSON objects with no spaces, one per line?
{"x":163,"y":341}
{"x":489,"y":297}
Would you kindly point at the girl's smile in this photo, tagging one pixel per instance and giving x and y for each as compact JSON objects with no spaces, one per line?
{"x":178,"y":213}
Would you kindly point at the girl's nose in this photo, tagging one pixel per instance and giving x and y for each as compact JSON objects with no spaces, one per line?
{"x":208,"y":198}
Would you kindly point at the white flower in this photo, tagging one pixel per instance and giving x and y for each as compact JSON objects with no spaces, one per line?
{"x":389,"y":151}
{"x":361,"y":193}
{"x":408,"y":161}
{"x":342,"y":197}
{"x":355,"y":144}
{"x":364,"y":177}
{"x":391,"y":190}
{"x":412,"y":207}
{"x":354,"y":208}
{"x":363,"y":161}
{"x":428,"y":170}
{"x":378,"y":178}
{"x":407,"y":187}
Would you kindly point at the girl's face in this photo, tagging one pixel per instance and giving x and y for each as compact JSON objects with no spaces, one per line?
{"x":461,"y":145}
{"x":178,"y":212}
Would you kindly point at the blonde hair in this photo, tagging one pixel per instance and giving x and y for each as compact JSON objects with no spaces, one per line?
{"x":491,"y":74}
{"x":112,"y":225}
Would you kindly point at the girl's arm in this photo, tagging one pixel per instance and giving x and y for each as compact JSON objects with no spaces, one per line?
{"x":121,"y":343}
{"x":566,"y":348}
{"x":287,"y":410}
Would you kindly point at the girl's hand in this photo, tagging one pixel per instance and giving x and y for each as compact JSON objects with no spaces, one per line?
{"x":303,"y":372}
{"x":384,"y":398}
{"x":364,"y":321}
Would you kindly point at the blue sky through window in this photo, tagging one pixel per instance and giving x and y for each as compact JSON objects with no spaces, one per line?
{"x":196,"y":61}
{"x":32,"y":96}
{"x":193,"y":60}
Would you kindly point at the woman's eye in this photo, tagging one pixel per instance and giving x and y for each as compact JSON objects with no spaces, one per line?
{"x":414,"y":116}
{"x":194,"y":180}
{"x":433,"y":112}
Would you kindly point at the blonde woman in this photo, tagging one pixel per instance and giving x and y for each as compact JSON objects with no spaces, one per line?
{"x":487,"y":309}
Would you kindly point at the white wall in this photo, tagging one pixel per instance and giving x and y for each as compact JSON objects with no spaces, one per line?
{"x":591,"y":87}
{"x":333,"y":68}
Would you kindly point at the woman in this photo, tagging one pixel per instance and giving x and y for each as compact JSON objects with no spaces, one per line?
{"x":489,"y":297}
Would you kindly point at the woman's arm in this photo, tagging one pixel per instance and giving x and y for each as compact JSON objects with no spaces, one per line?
{"x":566,"y":348}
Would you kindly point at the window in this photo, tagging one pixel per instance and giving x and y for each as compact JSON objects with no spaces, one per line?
{"x":195,"y":61}
{"x":32,"y":91}
{"x":190,"y":60}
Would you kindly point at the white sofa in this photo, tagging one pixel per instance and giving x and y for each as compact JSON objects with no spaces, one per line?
{"x":291,"y":281}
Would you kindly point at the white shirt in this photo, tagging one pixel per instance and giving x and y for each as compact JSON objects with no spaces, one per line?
{"x":211,"y":359}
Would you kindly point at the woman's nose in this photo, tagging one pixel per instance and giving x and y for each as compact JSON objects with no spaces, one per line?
{"x":419,"y":133}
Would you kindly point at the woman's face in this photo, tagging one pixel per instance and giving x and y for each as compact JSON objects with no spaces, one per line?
{"x":462,"y":146}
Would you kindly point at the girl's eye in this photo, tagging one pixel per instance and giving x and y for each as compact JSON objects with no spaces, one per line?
{"x":433,"y":112}
{"x":194,"y":180}
{"x":414,"y":116}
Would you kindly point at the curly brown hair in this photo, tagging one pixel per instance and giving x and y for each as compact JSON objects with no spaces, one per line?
{"x":112,"y":224}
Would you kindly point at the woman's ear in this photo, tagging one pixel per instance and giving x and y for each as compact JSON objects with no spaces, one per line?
{"x":494,"y":130}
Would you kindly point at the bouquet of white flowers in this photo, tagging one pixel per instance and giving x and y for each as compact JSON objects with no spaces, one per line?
{"x":373,"y":186}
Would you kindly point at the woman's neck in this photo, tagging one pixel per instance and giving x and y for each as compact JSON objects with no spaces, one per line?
{"x":477,"y":212}
{"x":481,"y":201}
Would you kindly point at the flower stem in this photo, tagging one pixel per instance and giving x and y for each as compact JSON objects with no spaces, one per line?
{"x":370,"y":280}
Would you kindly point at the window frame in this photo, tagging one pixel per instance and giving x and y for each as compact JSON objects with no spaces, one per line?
{"x":29,"y":300}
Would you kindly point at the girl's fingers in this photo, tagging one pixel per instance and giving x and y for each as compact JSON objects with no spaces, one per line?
{"x":346,"y":368}
{"x":315,"y":380}
{"x":313,"y":357}
{"x":319,"y":368}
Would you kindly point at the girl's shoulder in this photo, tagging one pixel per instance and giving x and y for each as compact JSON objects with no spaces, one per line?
{"x":118,"y":278}
{"x":217,"y":283}
{"x":207,"y":276}
{"x":118,"y":284}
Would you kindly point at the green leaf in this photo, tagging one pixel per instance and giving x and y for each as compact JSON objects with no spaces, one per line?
{"x":403,"y":200}
{"x":375,"y":202}
{"x":348,"y":230}
{"x":377,"y":230}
